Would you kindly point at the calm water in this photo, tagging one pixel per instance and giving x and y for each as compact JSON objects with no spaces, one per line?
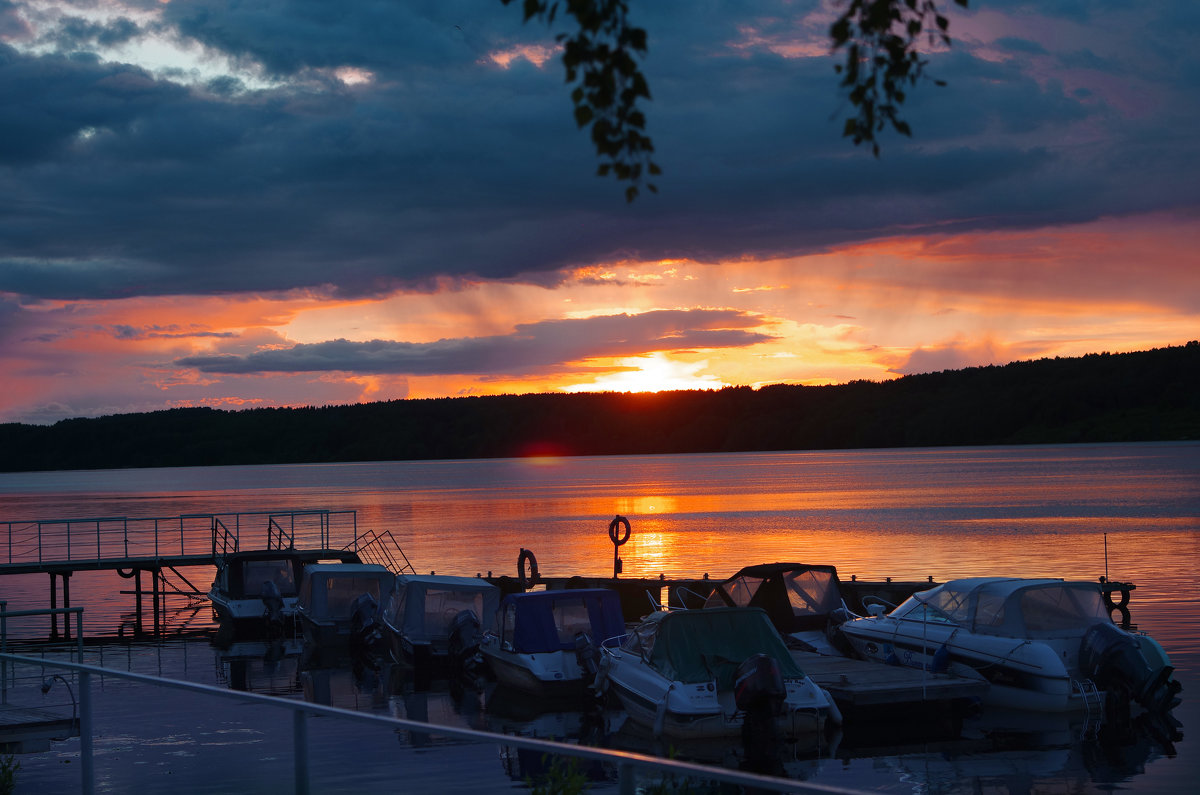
{"x":1073,"y":511}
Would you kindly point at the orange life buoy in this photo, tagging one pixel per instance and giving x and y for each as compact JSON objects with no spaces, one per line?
{"x":614,"y":526}
{"x":526,"y":558}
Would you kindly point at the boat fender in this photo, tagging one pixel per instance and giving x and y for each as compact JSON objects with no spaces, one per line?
{"x":660,"y":714}
{"x":272,"y":604}
{"x":526,"y":558}
{"x":835,"y":714}
{"x":614,"y":527}
{"x":941,"y":660}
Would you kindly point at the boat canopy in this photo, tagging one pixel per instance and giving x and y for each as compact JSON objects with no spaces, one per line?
{"x":328,"y":590}
{"x":693,"y":646}
{"x":422,"y":607}
{"x":796,"y":596}
{"x":1011,"y":607}
{"x":246,"y":572}
{"x":538,"y":622}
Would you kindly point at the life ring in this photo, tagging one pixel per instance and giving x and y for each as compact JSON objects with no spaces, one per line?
{"x":613,"y":528}
{"x":1113,"y":605}
{"x":526,"y":557}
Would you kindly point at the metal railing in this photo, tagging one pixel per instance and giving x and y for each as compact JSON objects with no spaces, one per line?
{"x":627,"y":763}
{"x":203,"y":534}
{"x":382,"y":548}
{"x":6,"y":614}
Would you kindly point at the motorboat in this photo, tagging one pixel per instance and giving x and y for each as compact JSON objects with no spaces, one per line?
{"x":803,"y":601}
{"x":433,"y":620}
{"x":1042,"y":644}
{"x":338,"y":603}
{"x":256,"y":591}
{"x":694,"y":674}
{"x":547,"y":642}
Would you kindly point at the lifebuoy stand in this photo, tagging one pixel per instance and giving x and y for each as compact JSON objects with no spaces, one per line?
{"x":618,"y":538}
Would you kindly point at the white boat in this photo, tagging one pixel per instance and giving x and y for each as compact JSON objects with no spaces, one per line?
{"x":1042,"y":644}
{"x":438,"y":620}
{"x":547,"y":642}
{"x":257,"y":591}
{"x":695,"y":674}
{"x":338,"y":602}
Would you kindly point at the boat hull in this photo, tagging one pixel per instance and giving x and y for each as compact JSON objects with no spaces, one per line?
{"x":547,"y":674}
{"x":1022,"y":674}
{"x":697,"y":711}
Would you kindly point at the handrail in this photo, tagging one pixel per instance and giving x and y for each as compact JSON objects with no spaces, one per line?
{"x":6,"y":614}
{"x":627,"y":762}
{"x":57,"y":541}
{"x":382,"y":548}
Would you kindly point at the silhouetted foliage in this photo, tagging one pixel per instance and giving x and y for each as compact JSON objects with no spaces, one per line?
{"x":1152,"y":395}
{"x":882,"y":41}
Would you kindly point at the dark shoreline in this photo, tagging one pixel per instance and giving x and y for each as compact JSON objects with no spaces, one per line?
{"x":1145,"y":396}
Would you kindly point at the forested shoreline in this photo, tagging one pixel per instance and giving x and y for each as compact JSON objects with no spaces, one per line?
{"x":1146,"y":396}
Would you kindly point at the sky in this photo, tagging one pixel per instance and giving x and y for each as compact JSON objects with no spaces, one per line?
{"x":305,"y":203}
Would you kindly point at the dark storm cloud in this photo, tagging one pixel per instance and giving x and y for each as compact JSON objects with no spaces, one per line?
{"x":532,"y":348}
{"x":115,"y":182}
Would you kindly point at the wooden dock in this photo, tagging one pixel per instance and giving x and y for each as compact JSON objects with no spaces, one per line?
{"x":859,"y":683}
{"x":30,"y":729}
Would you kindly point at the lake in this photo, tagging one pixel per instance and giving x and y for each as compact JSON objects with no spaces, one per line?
{"x":1131,"y":511}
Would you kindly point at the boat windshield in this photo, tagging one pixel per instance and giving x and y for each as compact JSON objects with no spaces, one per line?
{"x":257,"y":572}
{"x":941,"y":605}
{"x":340,"y":593}
{"x":442,"y":606}
{"x":1065,"y":608}
{"x":812,"y":592}
{"x":570,"y":619}
{"x":740,"y":591}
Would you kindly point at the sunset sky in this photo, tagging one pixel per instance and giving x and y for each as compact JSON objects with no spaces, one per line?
{"x":306,"y":202}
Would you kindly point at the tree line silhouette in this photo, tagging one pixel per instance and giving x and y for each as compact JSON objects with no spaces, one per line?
{"x":1144,"y":396}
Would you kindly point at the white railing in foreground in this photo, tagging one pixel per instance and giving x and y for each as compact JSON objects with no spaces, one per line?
{"x":626,"y":762}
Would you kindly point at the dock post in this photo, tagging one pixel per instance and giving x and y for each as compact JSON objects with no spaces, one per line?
{"x":300,"y":750}
{"x":66,"y":586}
{"x":53,"y":606}
{"x":625,"y":778}
{"x":137,"y":600}
{"x":155,"y":577}
{"x":87,"y":770}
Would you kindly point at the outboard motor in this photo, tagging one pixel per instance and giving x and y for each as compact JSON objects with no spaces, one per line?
{"x":757,"y":683}
{"x":364,"y":629}
{"x":272,"y":607}
{"x":464,"y":636}
{"x":758,"y":691}
{"x":1113,"y":658}
{"x":587,"y":655}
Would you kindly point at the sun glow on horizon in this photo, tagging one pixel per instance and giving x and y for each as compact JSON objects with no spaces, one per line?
{"x":653,"y":373}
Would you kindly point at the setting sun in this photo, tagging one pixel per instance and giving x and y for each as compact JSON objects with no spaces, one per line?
{"x":653,"y":373}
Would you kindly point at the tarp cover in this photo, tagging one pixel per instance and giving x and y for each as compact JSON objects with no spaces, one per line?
{"x":796,"y":596}
{"x":423,"y":607}
{"x":692,"y":646}
{"x":329,"y":589}
{"x":546,"y":621}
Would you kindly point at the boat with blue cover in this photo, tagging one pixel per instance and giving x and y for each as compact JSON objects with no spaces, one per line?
{"x":547,"y":642}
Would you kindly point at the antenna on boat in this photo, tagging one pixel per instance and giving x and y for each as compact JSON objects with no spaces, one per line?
{"x":1106,"y":556}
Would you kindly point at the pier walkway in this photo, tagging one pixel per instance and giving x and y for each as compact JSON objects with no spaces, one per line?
{"x":163,"y":547}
